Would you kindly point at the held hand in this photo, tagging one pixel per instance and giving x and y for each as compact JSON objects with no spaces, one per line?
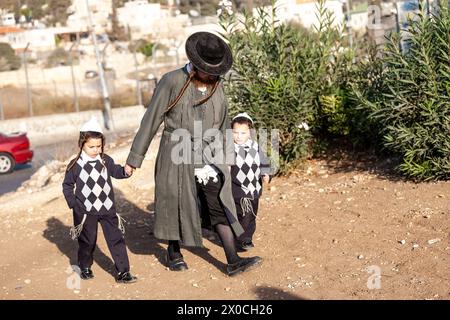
{"x":266,"y":178}
{"x":129,"y":170}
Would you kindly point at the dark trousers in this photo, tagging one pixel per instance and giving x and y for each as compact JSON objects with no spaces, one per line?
{"x":247,"y":219}
{"x":113,"y":236}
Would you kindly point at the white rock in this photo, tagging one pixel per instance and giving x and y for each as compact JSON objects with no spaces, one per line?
{"x":56,"y":177}
{"x":27,"y":281}
{"x":402,"y":241}
{"x":360,"y":257}
{"x":431,"y":241}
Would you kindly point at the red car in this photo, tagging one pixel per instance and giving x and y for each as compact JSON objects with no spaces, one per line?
{"x":14,"y":149}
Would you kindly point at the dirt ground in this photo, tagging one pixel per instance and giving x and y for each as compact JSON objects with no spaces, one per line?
{"x":339,"y":229}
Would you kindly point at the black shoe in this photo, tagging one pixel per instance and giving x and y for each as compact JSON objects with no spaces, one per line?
{"x":242,"y":265}
{"x":86,"y":274}
{"x":244,"y":246}
{"x":125,"y":277}
{"x":176,"y":264}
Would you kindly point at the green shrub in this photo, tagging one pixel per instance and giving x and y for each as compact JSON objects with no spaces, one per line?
{"x":143,"y":46}
{"x":8,"y":58}
{"x":409,"y":102}
{"x":59,"y":57}
{"x":286,"y":77}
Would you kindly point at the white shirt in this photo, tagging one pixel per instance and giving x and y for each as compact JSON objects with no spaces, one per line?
{"x":85,"y":157}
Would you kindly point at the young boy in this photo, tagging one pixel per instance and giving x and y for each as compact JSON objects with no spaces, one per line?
{"x":251,"y":167}
{"x":89,"y":192}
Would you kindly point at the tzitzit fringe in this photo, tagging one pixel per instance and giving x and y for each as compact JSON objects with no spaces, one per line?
{"x":246,"y":206}
{"x":75,"y":231}
{"x":120,"y":223}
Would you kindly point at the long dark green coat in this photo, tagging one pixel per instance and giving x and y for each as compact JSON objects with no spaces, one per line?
{"x":177,"y":210}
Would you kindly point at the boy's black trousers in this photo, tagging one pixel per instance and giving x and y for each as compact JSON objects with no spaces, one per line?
{"x":247,"y":220}
{"x":114,"y":238}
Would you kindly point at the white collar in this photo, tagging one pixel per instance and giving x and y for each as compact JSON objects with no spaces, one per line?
{"x":189,"y":67}
{"x":85,"y":158}
{"x":248,"y":144}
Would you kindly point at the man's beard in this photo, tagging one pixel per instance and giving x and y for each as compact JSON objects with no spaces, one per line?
{"x":209,"y":82}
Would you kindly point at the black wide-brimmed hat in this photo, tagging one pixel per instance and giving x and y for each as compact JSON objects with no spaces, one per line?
{"x":209,"y":53}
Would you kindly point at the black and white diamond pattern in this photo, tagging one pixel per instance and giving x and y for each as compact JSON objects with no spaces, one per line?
{"x":96,"y":189}
{"x":247,"y":162}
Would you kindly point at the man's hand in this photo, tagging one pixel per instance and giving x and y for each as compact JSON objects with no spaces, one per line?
{"x":266,"y":178}
{"x":129,"y":170}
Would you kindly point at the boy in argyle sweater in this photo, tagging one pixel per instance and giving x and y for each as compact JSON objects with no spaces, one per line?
{"x":92,"y":202}
{"x":247,"y":174}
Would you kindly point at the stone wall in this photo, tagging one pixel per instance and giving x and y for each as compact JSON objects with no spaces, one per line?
{"x":52,"y":128}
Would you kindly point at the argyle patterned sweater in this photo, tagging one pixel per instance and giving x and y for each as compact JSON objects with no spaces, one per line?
{"x":91,"y":179}
{"x":251,"y":164}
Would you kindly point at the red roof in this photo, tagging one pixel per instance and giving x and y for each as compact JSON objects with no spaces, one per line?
{"x":5,"y":30}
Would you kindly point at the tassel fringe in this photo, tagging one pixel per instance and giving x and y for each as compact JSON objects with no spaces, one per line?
{"x":75,"y":231}
{"x":246,"y":206}
{"x":120,"y":223}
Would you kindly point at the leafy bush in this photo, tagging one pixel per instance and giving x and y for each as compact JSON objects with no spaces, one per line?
{"x":288,"y":79}
{"x":366,"y":81}
{"x":143,"y":46}
{"x":59,"y":57}
{"x":8,"y":58}
{"x":409,"y":100}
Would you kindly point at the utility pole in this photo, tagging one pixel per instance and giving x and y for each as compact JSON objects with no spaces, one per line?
{"x":348,"y":24}
{"x":155,"y":71}
{"x":30,"y":103}
{"x":107,"y":114}
{"x":136,"y":71}
{"x":103,"y":55}
{"x":75,"y":96}
{"x":138,"y":83}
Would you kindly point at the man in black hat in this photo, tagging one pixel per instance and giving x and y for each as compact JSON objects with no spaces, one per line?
{"x":192,"y":193}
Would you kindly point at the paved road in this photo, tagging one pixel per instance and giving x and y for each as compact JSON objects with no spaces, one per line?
{"x":61,"y":150}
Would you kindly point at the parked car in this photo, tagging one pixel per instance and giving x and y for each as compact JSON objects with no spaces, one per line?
{"x":14,"y":149}
{"x":90,"y":74}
